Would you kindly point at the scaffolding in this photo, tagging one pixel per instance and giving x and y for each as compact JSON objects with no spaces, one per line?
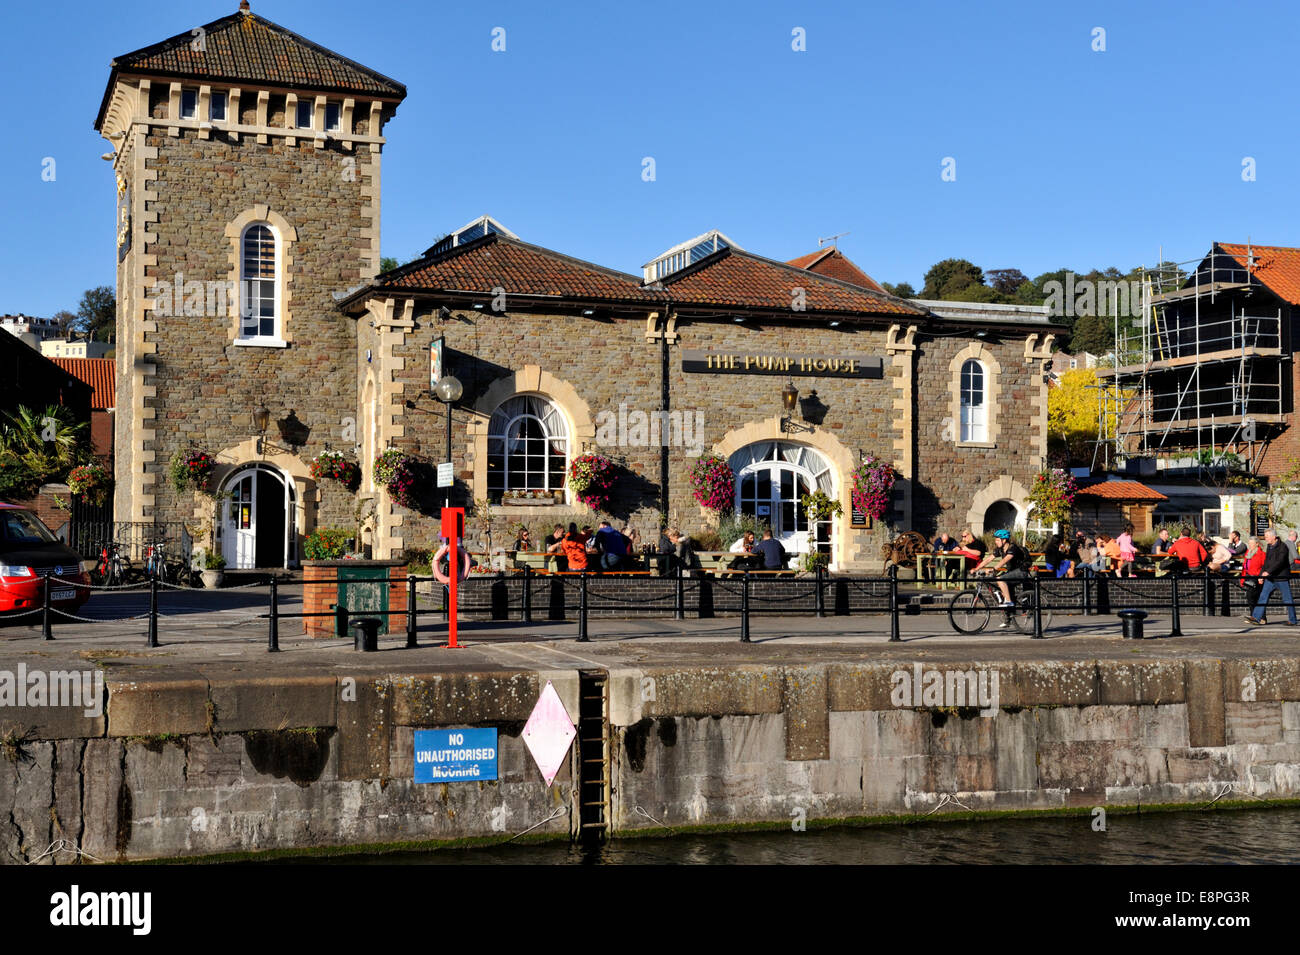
{"x":1200,"y":372}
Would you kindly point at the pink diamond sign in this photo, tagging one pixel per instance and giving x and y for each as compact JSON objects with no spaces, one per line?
{"x":549,"y":733}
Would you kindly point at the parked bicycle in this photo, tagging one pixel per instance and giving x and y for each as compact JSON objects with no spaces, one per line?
{"x":158,"y":564}
{"x":970,"y":610}
{"x":113,"y":568}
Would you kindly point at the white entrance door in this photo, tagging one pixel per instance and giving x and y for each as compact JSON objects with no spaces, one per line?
{"x":770,"y":491}
{"x":241,"y":523}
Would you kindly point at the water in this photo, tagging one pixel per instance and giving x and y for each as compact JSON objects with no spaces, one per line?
{"x":1211,"y":836}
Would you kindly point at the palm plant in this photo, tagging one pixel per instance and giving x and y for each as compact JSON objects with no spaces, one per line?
{"x":37,"y":447}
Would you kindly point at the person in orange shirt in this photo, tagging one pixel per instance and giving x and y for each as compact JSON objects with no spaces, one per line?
{"x":575,"y":548}
{"x":1110,"y":549}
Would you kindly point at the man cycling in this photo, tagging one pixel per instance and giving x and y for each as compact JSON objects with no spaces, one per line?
{"x":1009,"y":561}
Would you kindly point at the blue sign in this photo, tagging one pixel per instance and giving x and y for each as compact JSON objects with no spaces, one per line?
{"x":455,"y":756}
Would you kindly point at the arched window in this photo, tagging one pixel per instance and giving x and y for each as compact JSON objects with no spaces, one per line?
{"x":258,"y":287}
{"x":974,"y":404}
{"x":528,"y":449}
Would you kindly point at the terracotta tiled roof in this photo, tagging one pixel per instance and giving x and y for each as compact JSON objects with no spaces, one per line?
{"x":734,"y":278}
{"x":246,"y":48}
{"x":1276,"y":266}
{"x":99,"y":373}
{"x":518,"y":267}
{"x":1129,"y":492}
{"x":831,"y":261}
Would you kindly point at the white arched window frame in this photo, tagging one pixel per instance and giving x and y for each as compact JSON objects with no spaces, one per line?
{"x":528,"y":448}
{"x":974,"y":401}
{"x":261,"y":280}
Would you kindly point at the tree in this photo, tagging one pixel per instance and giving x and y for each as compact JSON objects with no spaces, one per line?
{"x":97,"y":314}
{"x":1072,"y":413}
{"x":387,"y":263}
{"x":39,"y":447}
{"x":945,"y":279}
{"x":902,"y":289}
{"x":1093,"y":333}
{"x":978,"y":293}
{"x":65,"y":321}
{"x":1006,"y":281}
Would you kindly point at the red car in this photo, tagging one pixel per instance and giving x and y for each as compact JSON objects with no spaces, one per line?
{"x":28,"y":552}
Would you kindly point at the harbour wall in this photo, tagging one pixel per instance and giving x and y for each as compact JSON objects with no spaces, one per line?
{"x":198,"y":766}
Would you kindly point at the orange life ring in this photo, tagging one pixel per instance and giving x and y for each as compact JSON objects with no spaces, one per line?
{"x":464,"y":569}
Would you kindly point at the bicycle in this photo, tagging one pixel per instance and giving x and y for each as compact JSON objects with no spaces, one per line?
{"x":113,"y":569}
{"x":970,"y":610}
{"x":166,"y":571}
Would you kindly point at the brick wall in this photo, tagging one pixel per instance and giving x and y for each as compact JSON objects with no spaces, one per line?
{"x":320,"y":595}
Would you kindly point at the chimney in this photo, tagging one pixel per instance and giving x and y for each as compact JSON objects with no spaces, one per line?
{"x":244,"y":7}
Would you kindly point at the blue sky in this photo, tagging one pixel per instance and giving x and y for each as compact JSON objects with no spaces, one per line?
{"x":1065,"y":157}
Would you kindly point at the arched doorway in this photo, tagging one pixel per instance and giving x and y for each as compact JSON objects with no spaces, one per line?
{"x":257,"y":518}
{"x":771,"y":479}
{"x":1001,"y":514}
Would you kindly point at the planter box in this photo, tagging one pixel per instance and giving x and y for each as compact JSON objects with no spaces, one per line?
{"x":321,"y":592}
{"x":528,"y":501}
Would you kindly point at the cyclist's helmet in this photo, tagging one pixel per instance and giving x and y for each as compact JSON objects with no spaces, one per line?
{"x":1002,"y":534}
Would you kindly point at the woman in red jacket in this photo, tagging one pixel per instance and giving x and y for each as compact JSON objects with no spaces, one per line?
{"x":574,"y":546}
{"x":1251,"y":565}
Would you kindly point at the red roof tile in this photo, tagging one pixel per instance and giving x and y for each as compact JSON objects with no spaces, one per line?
{"x":732,"y":278}
{"x":830,"y":261}
{"x":99,"y":373}
{"x":1131,"y":492}
{"x":1276,"y":266}
{"x":498,"y":261}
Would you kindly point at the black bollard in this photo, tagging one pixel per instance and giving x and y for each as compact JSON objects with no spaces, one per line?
{"x":1038,"y":606}
{"x":1209,"y":591}
{"x":893,"y":605}
{"x":1087,"y":592}
{"x":1175,"y":624}
{"x":582,"y":608}
{"x":744,"y":608}
{"x":411,"y":611}
{"x":528,"y":594}
{"x":821,"y":596}
{"x":341,"y":619}
{"x":46,"y":631}
{"x":273,"y":620}
{"x":679,"y":599}
{"x":153,"y":612}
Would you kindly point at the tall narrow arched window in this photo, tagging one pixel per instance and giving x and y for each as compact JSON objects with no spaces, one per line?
{"x":528,"y":450}
{"x":258,"y":287}
{"x":974,"y":403}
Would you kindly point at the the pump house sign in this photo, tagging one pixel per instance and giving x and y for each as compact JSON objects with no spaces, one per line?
{"x":821,"y":366}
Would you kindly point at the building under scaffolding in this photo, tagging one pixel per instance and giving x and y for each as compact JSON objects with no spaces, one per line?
{"x":1204,"y":376}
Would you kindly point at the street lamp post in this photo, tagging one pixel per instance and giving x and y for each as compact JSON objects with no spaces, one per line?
{"x":448,"y":391}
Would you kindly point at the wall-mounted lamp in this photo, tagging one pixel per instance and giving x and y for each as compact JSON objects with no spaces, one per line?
{"x":291,"y":430}
{"x":790,"y":401}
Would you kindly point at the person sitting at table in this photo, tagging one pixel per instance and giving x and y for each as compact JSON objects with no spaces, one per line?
{"x":575,"y":548}
{"x":633,"y":539}
{"x":1187,"y":551}
{"x":746,"y":558}
{"x":665,"y":553}
{"x":1161,"y":545}
{"x":744,"y":544}
{"x":523,"y":544}
{"x":555,"y":548}
{"x":1057,"y":560}
{"x":771,"y":551}
{"x":1236,"y":546}
{"x":1111,"y":554}
{"x":943,"y":545}
{"x":1090,"y":557}
{"x":611,"y":546}
{"x":972,"y":549}
{"x":1220,"y":556}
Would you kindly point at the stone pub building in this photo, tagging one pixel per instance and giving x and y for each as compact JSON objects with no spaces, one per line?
{"x":248,"y":170}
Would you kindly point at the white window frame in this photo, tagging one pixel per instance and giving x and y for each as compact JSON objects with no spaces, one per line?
{"x":277,"y":284}
{"x":193,"y":96}
{"x":502,"y":435}
{"x":974,"y":424}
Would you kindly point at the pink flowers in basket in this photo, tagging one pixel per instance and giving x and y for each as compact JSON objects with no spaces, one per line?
{"x":592,"y":477}
{"x":333,"y":465}
{"x":395,"y":470}
{"x":873,"y":485}
{"x":714,"y":483}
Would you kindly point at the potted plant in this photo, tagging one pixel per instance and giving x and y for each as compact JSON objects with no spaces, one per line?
{"x":335,"y":466}
{"x":213,"y":573}
{"x":592,"y":477}
{"x":714,"y":483}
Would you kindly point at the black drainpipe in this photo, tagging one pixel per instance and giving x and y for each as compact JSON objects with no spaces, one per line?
{"x":665,"y":404}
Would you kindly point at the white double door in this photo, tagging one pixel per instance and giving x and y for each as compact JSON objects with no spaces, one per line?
{"x":253,"y":494}
{"x":770,"y":491}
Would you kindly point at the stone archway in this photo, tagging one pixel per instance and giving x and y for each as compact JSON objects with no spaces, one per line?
{"x":1004,"y":488}
{"x":840,"y":458}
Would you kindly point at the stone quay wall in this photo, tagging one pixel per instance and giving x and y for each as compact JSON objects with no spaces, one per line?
{"x":201,"y":766}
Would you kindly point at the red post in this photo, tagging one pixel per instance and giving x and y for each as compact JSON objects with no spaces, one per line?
{"x":453,"y":529}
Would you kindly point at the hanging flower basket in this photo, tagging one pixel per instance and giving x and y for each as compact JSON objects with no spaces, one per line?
{"x":395,"y":471}
{"x":1052,"y":495}
{"x":91,"y":482}
{"x":714,"y":484}
{"x":873,"y":484}
{"x":334,"y":466}
{"x":191,"y":469}
{"x":592,"y":478}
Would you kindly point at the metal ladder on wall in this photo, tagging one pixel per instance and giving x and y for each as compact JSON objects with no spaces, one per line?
{"x":593,"y":755}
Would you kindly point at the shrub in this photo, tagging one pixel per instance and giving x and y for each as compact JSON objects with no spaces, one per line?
{"x":732,"y":527}
{"x":325,"y":543}
{"x":709,"y":539}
